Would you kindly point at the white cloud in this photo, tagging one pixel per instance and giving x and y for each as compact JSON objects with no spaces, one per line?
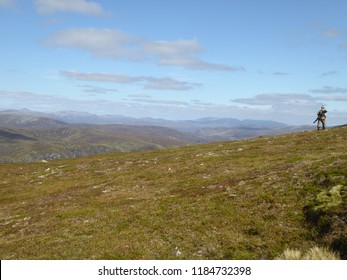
{"x":101,"y":77}
{"x":76,"y":6}
{"x":147,"y":82}
{"x":182,"y":53}
{"x":108,"y":43}
{"x":116,"y":44}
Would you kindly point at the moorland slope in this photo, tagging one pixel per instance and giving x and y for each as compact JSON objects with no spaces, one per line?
{"x":248,"y":199}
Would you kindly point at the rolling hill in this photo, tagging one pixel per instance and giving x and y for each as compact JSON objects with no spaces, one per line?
{"x":248,"y":199}
{"x":33,"y":136}
{"x":30,"y":138}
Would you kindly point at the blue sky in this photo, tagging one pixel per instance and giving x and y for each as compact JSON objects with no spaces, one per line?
{"x":247,"y":59}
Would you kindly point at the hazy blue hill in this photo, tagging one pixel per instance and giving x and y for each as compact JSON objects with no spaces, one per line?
{"x":84,"y":117}
{"x":28,"y":121}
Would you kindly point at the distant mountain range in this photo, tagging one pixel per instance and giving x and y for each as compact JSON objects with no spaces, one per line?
{"x":32,"y":136}
{"x":185,"y":125}
{"x":27,"y":138}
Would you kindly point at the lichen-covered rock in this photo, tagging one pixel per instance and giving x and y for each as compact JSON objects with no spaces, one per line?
{"x":327,"y":200}
{"x":327,"y":214}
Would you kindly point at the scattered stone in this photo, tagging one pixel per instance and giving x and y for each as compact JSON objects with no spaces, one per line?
{"x":177,"y":252}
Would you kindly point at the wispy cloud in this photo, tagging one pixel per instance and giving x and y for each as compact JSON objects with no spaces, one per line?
{"x":161,"y":102}
{"x":8,"y":3}
{"x":293,"y":107}
{"x":280,"y":73}
{"x":116,"y":44}
{"x":139,"y":95}
{"x":336,"y":35}
{"x":333,"y":33}
{"x":343,"y":46}
{"x":101,"y":77}
{"x":26,"y":99}
{"x":198,"y":102}
{"x":293,"y":103}
{"x":147,"y":82}
{"x":274,"y":98}
{"x":93,"y":90}
{"x":286,"y":107}
{"x":329,"y":73}
{"x":329,"y":90}
{"x":76,"y":6}
{"x":168,"y":84}
{"x":339,"y":98}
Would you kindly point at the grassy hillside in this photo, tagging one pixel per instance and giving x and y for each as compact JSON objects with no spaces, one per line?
{"x":76,"y":140}
{"x":249,"y":199}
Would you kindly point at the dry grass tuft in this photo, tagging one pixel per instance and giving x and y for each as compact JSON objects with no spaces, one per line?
{"x":314,"y":253}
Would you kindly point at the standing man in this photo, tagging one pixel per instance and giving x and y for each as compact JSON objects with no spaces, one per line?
{"x":321,"y":117}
